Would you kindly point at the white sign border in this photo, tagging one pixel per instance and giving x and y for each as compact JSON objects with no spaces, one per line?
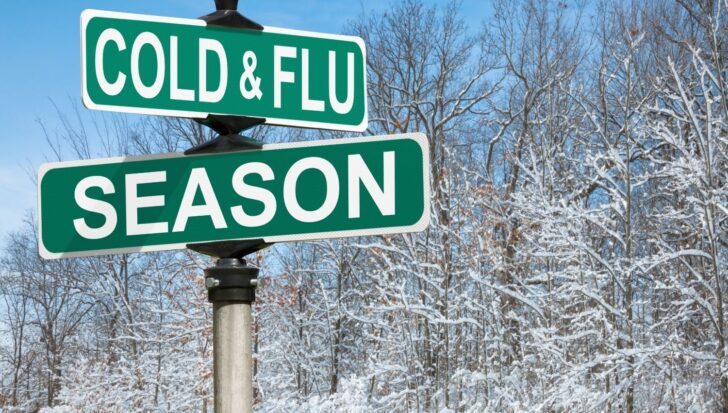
{"x":88,"y":14}
{"x":420,"y":225}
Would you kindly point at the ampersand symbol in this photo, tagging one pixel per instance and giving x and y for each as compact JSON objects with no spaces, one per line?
{"x":249,"y":78}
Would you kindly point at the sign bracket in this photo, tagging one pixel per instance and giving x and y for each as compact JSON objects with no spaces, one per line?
{"x":225,"y":143}
{"x":227,"y":15}
{"x":230,"y":249}
{"x":229,"y":125}
{"x":229,"y":139}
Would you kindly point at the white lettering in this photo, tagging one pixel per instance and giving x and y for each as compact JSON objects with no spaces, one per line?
{"x":253,"y":192}
{"x":339,"y":107}
{"x":210,"y":207}
{"x":359,"y":172}
{"x":109,"y":35}
{"x":306,"y":103}
{"x":280,"y":76}
{"x":332,"y":189}
{"x":175,"y":92}
{"x":148,"y":92}
{"x":95,"y":205}
{"x":134,"y":202}
{"x":212,"y":96}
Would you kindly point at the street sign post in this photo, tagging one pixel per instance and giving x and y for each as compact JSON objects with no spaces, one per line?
{"x":283,"y":192}
{"x":187,"y":68}
{"x":229,"y":196}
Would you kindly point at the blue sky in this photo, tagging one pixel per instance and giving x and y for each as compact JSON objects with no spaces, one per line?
{"x":39,"y":45}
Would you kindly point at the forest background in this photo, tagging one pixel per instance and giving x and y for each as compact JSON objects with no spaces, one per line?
{"x":576,"y":258}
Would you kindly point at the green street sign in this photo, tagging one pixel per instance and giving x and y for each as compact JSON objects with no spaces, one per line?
{"x":182,"y":67}
{"x":283,"y":192}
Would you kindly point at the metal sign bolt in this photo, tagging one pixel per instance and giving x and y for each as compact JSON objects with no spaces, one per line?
{"x":211,"y":283}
